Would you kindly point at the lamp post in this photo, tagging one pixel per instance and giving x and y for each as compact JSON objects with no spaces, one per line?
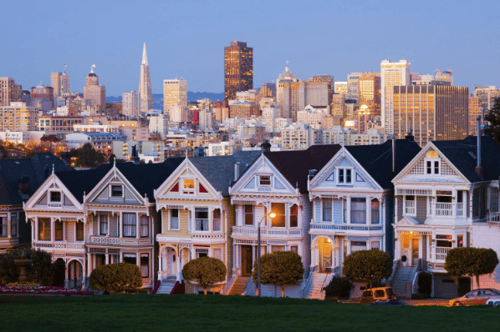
{"x":271,"y":215}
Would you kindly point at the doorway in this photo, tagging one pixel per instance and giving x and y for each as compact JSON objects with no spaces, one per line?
{"x":75,"y":274}
{"x":246,"y":260}
{"x":325,"y":254}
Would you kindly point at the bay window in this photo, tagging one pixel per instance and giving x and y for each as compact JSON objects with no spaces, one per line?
{"x":217,"y":220}
{"x":174,"y":219}
{"x":44,"y":229}
{"x":294,"y":215}
{"x":129,"y":224}
{"x":201,"y":219}
{"x":327,"y":210}
{"x":280,"y":219}
{"x":358,"y":210}
{"x":103,"y":224}
{"x":144,"y":226}
{"x":375,"y":212}
{"x":59,"y":230}
{"x":79,"y":231}
{"x":248,"y":215}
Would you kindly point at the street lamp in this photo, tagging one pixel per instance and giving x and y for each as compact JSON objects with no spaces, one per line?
{"x":271,"y":215}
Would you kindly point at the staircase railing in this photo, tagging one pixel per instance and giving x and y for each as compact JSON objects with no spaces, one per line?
{"x":179,"y":288}
{"x":157,"y":285}
{"x":307,"y":284}
{"x":248,"y":288}
{"x":395,"y":270}
{"x":229,"y":285}
{"x":327,"y":280}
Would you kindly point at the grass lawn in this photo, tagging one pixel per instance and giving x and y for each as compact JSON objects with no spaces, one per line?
{"x":230,"y":313}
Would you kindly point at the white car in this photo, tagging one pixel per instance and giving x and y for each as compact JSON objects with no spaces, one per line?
{"x":494,"y":301}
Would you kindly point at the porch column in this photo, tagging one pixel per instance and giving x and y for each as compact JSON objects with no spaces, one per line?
{"x":9,"y":226}
{"x":160,"y":263}
{"x":137,"y":225}
{"x":428,"y":244}
{"x":52,"y":229}
{"x":89,"y":263}
{"x":420,"y":245}
{"x":178,"y":263}
{"x":120,"y":222}
{"x":106,"y":260}
{"x":454,"y":203}
{"x":433,"y":248}
{"x":348,"y":210}
{"x":369,"y":210}
{"x":348,"y":246}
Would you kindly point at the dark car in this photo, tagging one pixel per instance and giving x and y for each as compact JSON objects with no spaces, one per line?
{"x":392,"y":302}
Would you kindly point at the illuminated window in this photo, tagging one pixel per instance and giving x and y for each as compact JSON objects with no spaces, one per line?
{"x":189,"y":184}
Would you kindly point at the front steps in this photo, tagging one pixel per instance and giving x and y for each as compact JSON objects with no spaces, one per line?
{"x":239,"y":286}
{"x":315,"y":288}
{"x":399,"y":283}
{"x":167,"y":285}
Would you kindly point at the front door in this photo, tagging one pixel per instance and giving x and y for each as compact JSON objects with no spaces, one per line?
{"x":246,"y":260}
{"x":414,"y":251}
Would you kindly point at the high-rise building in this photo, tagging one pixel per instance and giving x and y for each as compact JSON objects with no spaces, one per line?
{"x":268,"y":90}
{"x":369,"y":92}
{"x":392,"y":74}
{"x":60,"y":83}
{"x":433,"y":112}
{"x":18,"y":117}
{"x":353,"y":86}
{"x":475,"y":110}
{"x":174,"y":96}
{"x":94,"y":92}
{"x":341,"y":87}
{"x":287,"y":94}
{"x":238,"y":69}
{"x":130,"y":103}
{"x":8,"y":91}
{"x":486,"y":95}
{"x":316,"y":91}
{"x":145,"y":92}
{"x":444,"y":76}
{"x":42,"y":97}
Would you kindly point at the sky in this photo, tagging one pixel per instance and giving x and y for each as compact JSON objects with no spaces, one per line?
{"x":186,"y":38}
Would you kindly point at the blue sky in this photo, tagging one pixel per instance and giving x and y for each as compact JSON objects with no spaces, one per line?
{"x":187,"y":38}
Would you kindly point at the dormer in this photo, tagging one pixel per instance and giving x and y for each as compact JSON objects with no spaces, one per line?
{"x":432,"y":163}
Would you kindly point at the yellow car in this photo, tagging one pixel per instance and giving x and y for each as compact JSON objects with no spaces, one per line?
{"x":378,"y":293}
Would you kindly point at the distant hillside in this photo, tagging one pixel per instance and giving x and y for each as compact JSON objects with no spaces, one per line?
{"x":158,"y":98}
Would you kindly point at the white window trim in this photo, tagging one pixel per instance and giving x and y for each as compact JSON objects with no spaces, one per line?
{"x":432,"y":160}
{"x":111,"y":185}
{"x":270,"y":180}
{"x":183,"y":189}
{"x":170,"y":220}
{"x":337,"y":172}
{"x":415,"y":207}
{"x":50,"y":201}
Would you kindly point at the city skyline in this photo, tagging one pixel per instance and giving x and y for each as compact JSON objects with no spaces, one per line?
{"x":460,"y":37}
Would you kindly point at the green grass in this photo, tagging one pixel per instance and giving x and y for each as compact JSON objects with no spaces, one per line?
{"x":230,"y":313}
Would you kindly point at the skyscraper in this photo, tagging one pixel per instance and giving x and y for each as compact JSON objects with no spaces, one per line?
{"x":60,"y":83}
{"x":7,"y":91}
{"x":175,"y":98}
{"x":93,"y":91}
{"x":287,"y":94}
{"x":238,"y":69}
{"x":316,"y":91}
{"x":145,"y":92}
{"x":392,"y":74}
{"x":130,"y":103}
{"x":369,"y":92}
{"x":486,"y":95}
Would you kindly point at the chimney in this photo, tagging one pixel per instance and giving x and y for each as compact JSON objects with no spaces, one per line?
{"x":236,"y":170}
{"x":479,"y":168}
{"x":393,"y":153}
{"x":265,"y":146}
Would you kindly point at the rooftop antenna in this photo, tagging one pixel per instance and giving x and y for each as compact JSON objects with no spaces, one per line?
{"x":286,"y":67}
{"x":92,"y":68}
{"x":65,"y":66}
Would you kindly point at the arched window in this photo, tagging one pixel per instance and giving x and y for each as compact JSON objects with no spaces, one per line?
{"x":294,"y":215}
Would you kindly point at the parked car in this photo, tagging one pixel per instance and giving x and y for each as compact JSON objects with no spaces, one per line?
{"x":494,"y":301}
{"x":475,"y":297}
{"x":378,"y":293}
{"x":390,"y":302}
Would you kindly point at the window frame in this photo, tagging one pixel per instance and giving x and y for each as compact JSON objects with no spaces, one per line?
{"x":14,"y":225}
{"x":58,"y":237}
{"x":197,"y":210}
{"x":290,"y":209}
{"x":102,"y":223}
{"x":323,"y":209}
{"x":344,"y":174}
{"x":111,"y":191}
{"x":82,"y":231}
{"x":279,"y":216}
{"x":261,"y":177}
{"x":405,"y":199}
{"x":188,"y":190}
{"x":354,"y":199}
{"x":432,"y":166}
{"x":171,"y":218}
{"x":248,"y":213}
{"x":133,"y":227}
{"x":51,"y":192}
{"x":377,"y":214}
{"x":214,"y":220}
{"x":144,"y":225}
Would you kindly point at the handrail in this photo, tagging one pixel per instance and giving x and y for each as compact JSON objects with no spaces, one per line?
{"x":307,"y":284}
{"x":229,"y":285}
{"x":248,"y":287}
{"x":323,"y":292}
{"x":415,"y":281}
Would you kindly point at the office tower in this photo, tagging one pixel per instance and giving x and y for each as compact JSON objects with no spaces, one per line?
{"x":60,"y":83}
{"x":353,"y":86}
{"x":94,"y":92}
{"x":287,"y":94}
{"x":317,"y":91}
{"x":8,"y":91}
{"x":392,"y":74}
{"x":444,"y":76}
{"x":42,"y":97}
{"x":238,"y":69}
{"x":475,"y":110}
{"x":486,"y":95}
{"x":338,"y":108}
{"x":174,"y":96}
{"x":268,"y":90}
{"x":145,"y":92}
{"x":433,"y":112}
{"x":243,"y":109}
{"x":341,"y":87}
{"x":18,"y":117}
{"x":130,"y":103}
{"x":369,"y":93}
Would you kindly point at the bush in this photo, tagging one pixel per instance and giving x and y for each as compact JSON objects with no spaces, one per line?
{"x":425,"y":283}
{"x":206,"y":271}
{"x":116,"y":278}
{"x":40,"y":271}
{"x":368,"y":266}
{"x":338,"y":288}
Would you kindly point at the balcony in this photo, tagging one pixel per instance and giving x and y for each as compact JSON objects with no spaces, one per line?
{"x":209,"y":236}
{"x":344,"y":227}
{"x":441,"y":253}
{"x":251,"y":232}
{"x":493,"y":217}
{"x":58,"y":245}
{"x":444,"y":209}
{"x":118,"y":241}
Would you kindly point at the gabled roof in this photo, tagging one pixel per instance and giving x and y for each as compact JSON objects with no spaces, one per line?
{"x":463,"y":155}
{"x":295,"y":165}
{"x":32,"y":171}
{"x":377,"y":159}
{"x":219,"y":170}
{"x":81,"y":181}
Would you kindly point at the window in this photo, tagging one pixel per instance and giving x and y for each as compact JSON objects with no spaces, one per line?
{"x":13,"y":224}
{"x":216,"y":220}
{"x":44,"y":229}
{"x":280,"y":219}
{"x":327,"y":210}
{"x":55,"y":197}
{"x":79,"y":231}
{"x":277,"y":248}
{"x":265,"y":180}
{"x":357,"y":246}
{"x":294,"y":216}
{"x":493,"y":199}
{"x":345,"y":175}
{"x":375,"y":212}
{"x":103,"y":224}
{"x":460,"y":241}
{"x":188,"y":186}
{"x":116,"y":191}
{"x":4,"y":226}
{"x":432,"y":163}
{"x":294,"y":249}
{"x":174,"y":219}
{"x":410,"y":206}
{"x":144,"y":226}
{"x":358,"y":210}
{"x":201,"y":253}
{"x":145,"y":266}
{"x":249,"y":215}
{"x":218,"y":253}
{"x":130,"y":258}
{"x":376,"y":245}
{"x":201,"y":218}
{"x":129,"y":224}
{"x":59,"y":230}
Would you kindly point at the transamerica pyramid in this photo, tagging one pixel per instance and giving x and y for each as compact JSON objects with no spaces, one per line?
{"x":145,"y":93}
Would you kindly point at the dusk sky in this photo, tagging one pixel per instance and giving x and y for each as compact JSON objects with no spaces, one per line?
{"x":187,"y":38}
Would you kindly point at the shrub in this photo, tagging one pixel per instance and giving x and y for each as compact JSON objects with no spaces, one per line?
{"x":59,"y":268}
{"x":116,"y":278}
{"x":40,"y":271}
{"x":424,"y":283}
{"x":206,"y":271}
{"x":338,"y":288}
{"x":368,"y":266}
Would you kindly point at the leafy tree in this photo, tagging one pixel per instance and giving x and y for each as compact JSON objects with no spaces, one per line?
{"x":471,"y":262}
{"x":493,"y":117}
{"x":207,"y":271}
{"x":41,"y":270}
{"x":116,"y":278}
{"x":280,"y":268}
{"x":338,"y":288}
{"x":87,"y":156}
{"x":368,"y":266}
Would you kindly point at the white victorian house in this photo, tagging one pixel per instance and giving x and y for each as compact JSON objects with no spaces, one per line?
{"x":352,"y":197}
{"x":275,"y":182}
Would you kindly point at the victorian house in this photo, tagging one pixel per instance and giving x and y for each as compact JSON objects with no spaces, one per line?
{"x":276,"y":182}
{"x":19,"y":179}
{"x":196,"y":214}
{"x":446,"y":197}
{"x":352,"y":197}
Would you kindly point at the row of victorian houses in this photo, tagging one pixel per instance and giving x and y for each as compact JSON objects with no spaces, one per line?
{"x":329,"y":201}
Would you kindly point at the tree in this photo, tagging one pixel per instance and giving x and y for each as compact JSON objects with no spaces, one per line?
{"x":116,"y":278}
{"x":206,"y":271}
{"x":367,"y":266}
{"x":280,"y":268}
{"x":471,"y":262}
{"x":493,"y":117}
{"x":41,"y":270}
{"x":87,"y":156}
